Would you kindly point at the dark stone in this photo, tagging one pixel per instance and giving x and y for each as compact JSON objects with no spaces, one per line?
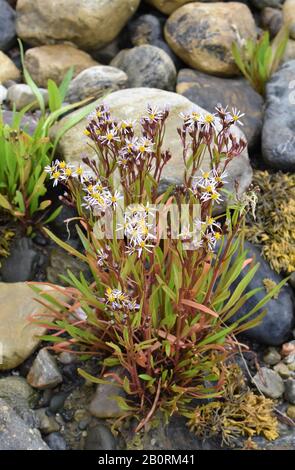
{"x":59,"y":226}
{"x":272,"y":19}
{"x":290,"y":391}
{"x":260,"y":4}
{"x":207,"y":91}
{"x":28,"y":123}
{"x":278,"y":138}
{"x":276,"y":326}
{"x":147,"y":66}
{"x":57,"y":402}
{"x":55,"y":441}
{"x":7,"y":26}
{"x":100,"y":437}
{"x":22,"y":263}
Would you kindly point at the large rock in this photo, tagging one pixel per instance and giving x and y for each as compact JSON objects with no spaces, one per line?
{"x":7,"y":26}
{"x":168,"y":6}
{"x":54,"y":61}
{"x":19,"y":336}
{"x":278,"y":140}
{"x":147,"y":66}
{"x":202,"y":34}
{"x":276,"y":326}
{"x":95,"y":82}
{"x":8,"y":71}
{"x":289,"y":15}
{"x":131,"y":104}
{"x":207,"y":90}
{"x":89,"y":24}
{"x":17,"y":393}
{"x":15,"y":433}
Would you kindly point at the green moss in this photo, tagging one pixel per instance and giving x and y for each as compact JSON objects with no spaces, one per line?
{"x":274,"y":226}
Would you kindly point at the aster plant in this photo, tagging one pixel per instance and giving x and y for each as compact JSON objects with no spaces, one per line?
{"x":160,"y":310}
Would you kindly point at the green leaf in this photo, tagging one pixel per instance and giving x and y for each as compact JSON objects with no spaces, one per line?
{"x":55,"y":101}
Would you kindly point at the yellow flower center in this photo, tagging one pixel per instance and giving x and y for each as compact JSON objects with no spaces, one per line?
{"x":62,"y":165}
{"x":209,"y":118}
{"x":56,"y":175}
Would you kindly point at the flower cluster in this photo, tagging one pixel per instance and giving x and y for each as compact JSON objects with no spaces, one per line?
{"x":99,"y":197}
{"x":207,"y":185}
{"x":118,"y":300}
{"x":60,"y":171}
{"x":138,"y":229}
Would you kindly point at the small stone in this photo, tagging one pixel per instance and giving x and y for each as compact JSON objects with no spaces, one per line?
{"x":8,"y":71}
{"x":57,"y":402}
{"x":269,"y":382}
{"x":55,"y":441}
{"x":54,"y":61}
{"x":66,"y":358}
{"x":103,"y":405}
{"x":22,"y":262}
{"x":201,"y":34}
{"x":272,"y":19}
{"x":272,"y":357}
{"x":95,"y":82}
{"x":15,"y":433}
{"x":7,"y":26}
{"x":147,"y":66}
{"x":79,"y":415}
{"x":290,"y":391}
{"x":290,"y":359}
{"x":44,"y":372}
{"x":291,"y":412}
{"x":46,"y":424}
{"x":21,"y":95}
{"x":283,"y":370}
{"x":100,"y":438}
{"x":288,"y":348}
{"x":3,"y":93}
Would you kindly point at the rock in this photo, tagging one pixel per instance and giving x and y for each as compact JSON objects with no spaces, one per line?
{"x":22,"y":262}
{"x":206,"y":91}
{"x":282,"y":370}
{"x":288,"y":348}
{"x":66,"y":358}
{"x":202,"y":34}
{"x":103,"y":405}
{"x":89,"y":25}
{"x":44,"y":372}
{"x":147,"y":66}
{"x":46,"y":424}
{"x":28,"y":122}
{"x":8,"y":71}
{"x":19,"y":335}
{"x":169,"y":6}
{"x":7,"y":26}
{"x":277,"y":324}
{"x":291,"y":412}
{"x":60,"y":262}
{"x":21,"y":95}
{"x":54,"y":61}
{"x":260,"y":4}
{"x":272,"y":20}
{"x":100,"y":437}
{"x":290,"y":391}
{"x":15,"y":433}
{"x":272,"y":357}
{"x":3,"y":94}
{"x":278,"y":142}
{"x":148,"y":29}
{"x":290,"y":51}
{"x":17,"y":393}
{"x":290,"y":359}
{"x":57,"y":402}
{"x":131,"y":104}
{"x":55,"y":441}
{"x":289,"y":15}
{"x":96,"y":82}
{"x":269,"y":383}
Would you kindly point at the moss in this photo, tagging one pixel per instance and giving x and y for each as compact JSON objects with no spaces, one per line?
{"x":240,"y":413}
{"x":6,"y":235}
{"x":273,"y":228}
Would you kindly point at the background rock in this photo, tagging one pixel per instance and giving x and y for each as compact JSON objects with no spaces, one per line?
{"x":131,"y":104}
{"x":168,"y":6}
{"x":96,"y":81}
{"x":17,"y":393}
{"x":289,"y":15}
{"x":90,"y":24}
{"x":147,"y":66}
{"x":269,"y":382}
{"x":3,"y":93}
{"x":8,"y":71}
{"x":15,"y":433}
{"x":267,"y":3}
{"x":19,"y":336}
{"x":21,"y":95}
{"x":54,"y":61}
{"x":44,"y":372}
{"x":272,"y":19}
{"x":202,"y":34}
{"x":207,"y":90}
{"x":7,"y":26}
{"x":22,"y":262}
{"x":278,"y":139}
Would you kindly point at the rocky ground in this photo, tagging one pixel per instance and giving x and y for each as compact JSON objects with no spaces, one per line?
{"x":132,"y":53}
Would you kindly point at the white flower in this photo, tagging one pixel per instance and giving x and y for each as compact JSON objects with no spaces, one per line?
{"x":236,"y":116}
{"x":208,"y":121}
{"x":210,"y":193}
{"x":102,"y":257}
{"x":203,"y":180}
{"x":218,"y":177}
{"x":110,"y":137}
{"x":143,"y":147}
{"x":154,"y":114}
